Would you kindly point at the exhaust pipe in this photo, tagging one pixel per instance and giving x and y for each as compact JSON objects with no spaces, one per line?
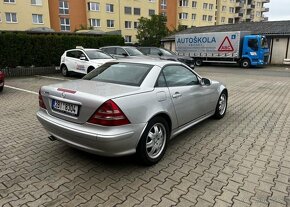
{"x":51,"y":138}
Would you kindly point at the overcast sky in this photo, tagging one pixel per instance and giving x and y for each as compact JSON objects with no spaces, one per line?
{"x":279,"y":10}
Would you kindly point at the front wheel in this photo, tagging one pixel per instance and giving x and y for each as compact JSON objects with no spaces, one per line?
{"x":153,"y":143}
{"x":245,"y":63}
{"x":221,"y":106}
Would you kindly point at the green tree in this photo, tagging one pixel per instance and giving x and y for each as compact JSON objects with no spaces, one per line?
{"x":151,"y":31}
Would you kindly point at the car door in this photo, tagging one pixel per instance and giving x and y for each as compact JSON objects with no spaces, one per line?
{"x":187,"y":94}
{"x":81,"y":65}
{"x":70,"y":60}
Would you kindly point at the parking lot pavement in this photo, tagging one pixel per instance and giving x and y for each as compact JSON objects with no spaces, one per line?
{"x":241,"y":160}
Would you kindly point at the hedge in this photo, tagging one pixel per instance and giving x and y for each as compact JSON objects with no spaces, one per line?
{"x":22,"y":49}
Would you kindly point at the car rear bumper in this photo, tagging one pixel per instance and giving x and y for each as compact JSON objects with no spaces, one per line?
{"x":107,"y":141}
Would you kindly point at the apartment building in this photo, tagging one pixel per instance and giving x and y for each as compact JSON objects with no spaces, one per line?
{"x":212,"y":12}
{"x":22,"y":15}
{"x":106,"y":16}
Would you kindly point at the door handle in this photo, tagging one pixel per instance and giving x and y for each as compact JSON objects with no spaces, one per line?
{"x":176,"y":95}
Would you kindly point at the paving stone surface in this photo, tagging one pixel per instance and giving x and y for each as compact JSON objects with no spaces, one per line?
{"x":240,"y":160}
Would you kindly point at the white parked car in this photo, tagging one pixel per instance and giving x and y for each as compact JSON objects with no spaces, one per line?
{"x":82,"y":60}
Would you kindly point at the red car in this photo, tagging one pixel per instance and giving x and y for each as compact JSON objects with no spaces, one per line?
{"x":1,"y":81}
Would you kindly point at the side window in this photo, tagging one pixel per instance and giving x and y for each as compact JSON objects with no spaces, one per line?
{"x":161,"y":81}
{"x":253,"y":44}
{"x":70,"y":54}
{"x":79,"y":54}
{"x":120,"y":51}
{"x":110,"y":50}
{"x":177,"y":75}
{"x":145,"y":50}
{"x":154,"y":51}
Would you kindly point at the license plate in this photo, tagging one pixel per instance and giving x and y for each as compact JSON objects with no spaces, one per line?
{"x":64,"y":107}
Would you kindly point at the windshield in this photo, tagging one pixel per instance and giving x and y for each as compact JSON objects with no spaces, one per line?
{"x":96,"y":54}
{"x":133,"y":51}
{"x":120,"y":73}
{"x":264,"y":43}
{"x":167,"y":52}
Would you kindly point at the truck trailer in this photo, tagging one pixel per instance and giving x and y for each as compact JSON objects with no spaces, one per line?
{"x":224,"y":47}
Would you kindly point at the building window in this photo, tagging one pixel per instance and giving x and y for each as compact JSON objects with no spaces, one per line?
{"x":258,"y":4}
{"x":0,"y":17}
{"x":110,"y":7}
{"x":137,"y":11}
{"x":9,"y":1}
{"x":223,"y":19}
{"x":193,"y":17}
{"x":63,"y":7}
{"x":136,"y":25}
{"x":128,"y":39}
{"x":231,"y":20}
{"x":37,"y":19}
{"x":36,"y":2}
{"x":94,"y":6}
{"x":151,"y":12}
{"x":110,"y":23}
{"x":204,"y":6}
{"x":224,"y":8}
{"x":11,"y":17}
{"x":209,"y":18}
{"x":183,"y":3}
{"x":183,"y":15}
{"x":194,"y":4}
{"x":65,"y":24}
{"x":210,"y":6}
{"x":204,"y":17}
{"x":151,"y":1}
{"x":163,"y":4}
{"x":232,"y":10}
{"x":95,"y":22}
{"x":258,"y":14}
{"x":128,"y":24}
{"x":127,"y":10}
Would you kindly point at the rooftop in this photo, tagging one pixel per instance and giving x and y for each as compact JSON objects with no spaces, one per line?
{"x":270,"y":28}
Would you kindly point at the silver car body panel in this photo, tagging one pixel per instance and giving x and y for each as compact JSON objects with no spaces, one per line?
{"x":139,"y":104}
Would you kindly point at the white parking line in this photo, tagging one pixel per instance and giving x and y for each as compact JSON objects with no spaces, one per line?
{"x":20,"y":89}
{"x":48,"y":77}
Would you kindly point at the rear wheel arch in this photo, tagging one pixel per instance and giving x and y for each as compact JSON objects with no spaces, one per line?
{"x":166,"y":118}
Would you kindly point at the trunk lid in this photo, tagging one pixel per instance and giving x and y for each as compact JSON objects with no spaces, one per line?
{"x":82,"y":98}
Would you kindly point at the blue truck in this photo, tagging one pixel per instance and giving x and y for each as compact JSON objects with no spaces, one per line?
{"x":224,"y":47}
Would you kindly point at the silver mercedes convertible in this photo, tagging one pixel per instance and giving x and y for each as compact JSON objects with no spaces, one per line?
{"x":126,"y":107}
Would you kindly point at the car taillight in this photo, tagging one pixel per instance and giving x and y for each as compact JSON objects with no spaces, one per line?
{"x":109,"y":114}
{"x":40,"y":100}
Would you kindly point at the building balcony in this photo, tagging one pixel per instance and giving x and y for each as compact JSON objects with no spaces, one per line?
{"x":265,"y":1}
{"x":248,"y":16}
{"x":265,"y":19}
{"x":239,"y":4}
{"x":265,"y":9}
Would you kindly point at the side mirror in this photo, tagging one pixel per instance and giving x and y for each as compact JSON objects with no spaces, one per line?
{"x":205,"y":82}
{"x":83,"y":58}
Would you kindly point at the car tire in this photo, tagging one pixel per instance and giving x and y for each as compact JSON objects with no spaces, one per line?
{"x":198,"y":62}
{"x":245,"y":63}
{"x":1,"y":88}
{"x":64,"y":71}
{"x":153,"y":142}
{"x":221,"y":106}
{"x":90,"y":69}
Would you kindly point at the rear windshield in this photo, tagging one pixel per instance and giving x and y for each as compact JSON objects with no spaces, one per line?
{"x":120,"y":73}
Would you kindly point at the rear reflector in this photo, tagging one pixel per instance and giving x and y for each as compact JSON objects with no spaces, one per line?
{"x":109,"y":114}
{"x":40,"y":100}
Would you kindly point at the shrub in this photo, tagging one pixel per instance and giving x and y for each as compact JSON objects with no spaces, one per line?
{"x":22,"y":49}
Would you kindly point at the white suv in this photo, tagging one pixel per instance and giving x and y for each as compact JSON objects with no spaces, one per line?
{"x":82,"y":60}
